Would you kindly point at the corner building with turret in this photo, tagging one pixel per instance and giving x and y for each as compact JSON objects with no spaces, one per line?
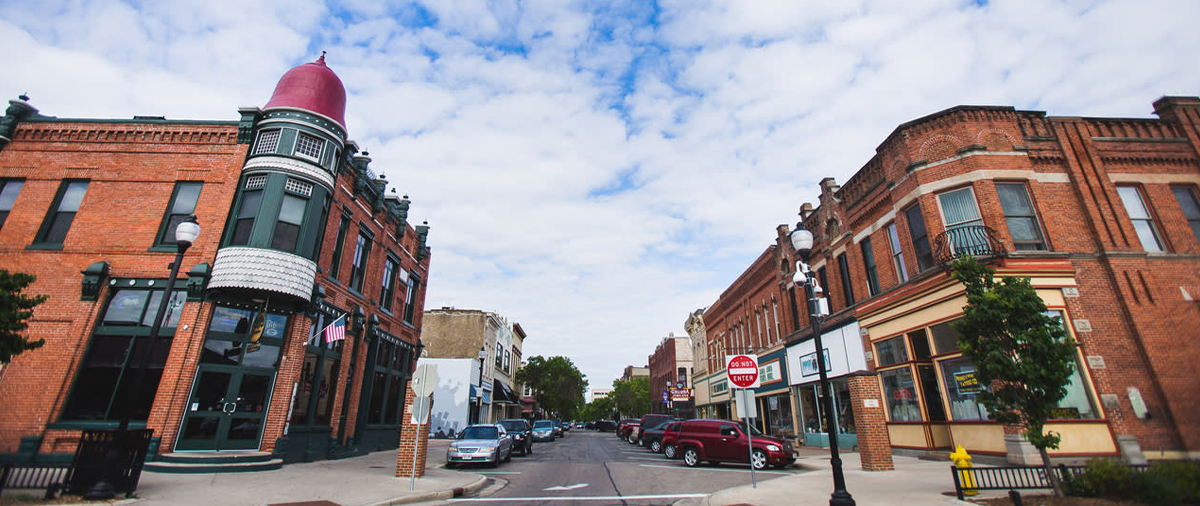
{"x":299,"y":238}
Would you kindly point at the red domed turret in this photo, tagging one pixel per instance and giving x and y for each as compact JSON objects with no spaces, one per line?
{"x":312,"y":87}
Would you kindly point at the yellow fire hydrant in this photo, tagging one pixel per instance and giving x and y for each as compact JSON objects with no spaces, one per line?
{"x":962,"y":460}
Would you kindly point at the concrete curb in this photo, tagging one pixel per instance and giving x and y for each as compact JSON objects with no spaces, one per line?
{"x":435,"y":496}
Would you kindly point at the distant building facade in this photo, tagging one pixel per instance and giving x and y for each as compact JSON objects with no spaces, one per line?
{"x":670,"y":377}
{"x":464,"y":333}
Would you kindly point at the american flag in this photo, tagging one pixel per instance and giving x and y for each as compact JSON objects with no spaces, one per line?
{"x":336,"y":331}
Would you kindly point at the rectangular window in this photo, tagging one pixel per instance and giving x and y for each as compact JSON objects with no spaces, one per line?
{"x":507,"y":360}
{"x":1184,"y":195}
{"x":104,"y":384}
{"x":9,"y":188}
{"x":1020,"y":216}
{"x":268,"y":142}
{"x":183,"y":204}
{"x":828,"y":292}
{"x":389,"y":283}
{"x":890,"y":351}
{"x":362,"y":251}
{"x":945,"y":338}
{"x":962,"y":390}
{"x":245,"y":218}
{"x":1143,"y":222}
{"x":897,"y":254}
{"x":287,"y":226}
{"x":309,"y":146}
{"x":410,"y":299}
{"x":847,"y":285}
{"x":499,"y":356}
{"x":920,"y":238}
{"x":58,"y":221}
{"x":869,"y":265}
{"x":961,"y":218}
{"x":901,"y":394}
{"x":1077,"y":403}
{"x":336,"y":262}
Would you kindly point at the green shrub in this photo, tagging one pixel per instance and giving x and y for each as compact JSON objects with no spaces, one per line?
{"x":1102,"y":478}
{"x":1184,"y":477}
{"x":1156,"y":488}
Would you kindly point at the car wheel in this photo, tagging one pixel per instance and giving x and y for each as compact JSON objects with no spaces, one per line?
{"x":758,"y":459}
{"x":656,"y":446}
{"x":451,"y":465}
{"x":691,"y":457}
{"x":495,"y":460}
{"x":669,"y":451}
{"x":508,"y":456}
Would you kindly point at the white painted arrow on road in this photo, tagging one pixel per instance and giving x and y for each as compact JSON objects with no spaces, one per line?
{"x":569,"y":487}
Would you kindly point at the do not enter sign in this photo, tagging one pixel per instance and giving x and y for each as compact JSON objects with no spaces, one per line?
{"x":742,"y":370}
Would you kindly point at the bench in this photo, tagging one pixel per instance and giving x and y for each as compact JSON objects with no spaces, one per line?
{"x":34,"y":476}
{"x":1013,"y":478}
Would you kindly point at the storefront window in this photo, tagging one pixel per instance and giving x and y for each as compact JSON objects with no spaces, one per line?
{"x":901,"y":394}
{"x":891,"y":351}
{"x":945,"y":338}
{"x":778,"y":415}
{"x":1077,"y":403}
{"x":962,"y":390}
{"x":844,"y":407}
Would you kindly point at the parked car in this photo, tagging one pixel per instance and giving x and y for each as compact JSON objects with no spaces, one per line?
{"x":652,"y":438}
{"x":626,"y":428}
{"x":558,"y":428}
{"x":670,"y":440}
{"x":647,"y":422}
{"x":521,"y":433}
{"x":543,"y":430}
{"x":488,"y":444}
{"x":717,"y":441}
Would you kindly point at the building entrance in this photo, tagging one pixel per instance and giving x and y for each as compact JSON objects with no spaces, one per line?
{"x":226,"y":409}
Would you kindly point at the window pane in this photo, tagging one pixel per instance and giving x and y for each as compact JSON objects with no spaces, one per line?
{"x":920,"y":238}
{"x":125,"y":307}
{"x":1023,"y":229}
{"x":958,"y":207}
{"x":8,"y":194}
{"x":962,"y":390}
{"x":267,"y":142}
{"x":285,"y":237}
{"x":1014,"y":200}
{"x":945,"y":338}
{"x":920,"y":344}
{"x":60,"y":224}
{"x":378,"y":390}
{"x":869,"y":266}
{"x":1133,"y":202}
{"x":901,"y":394}
{"x":394,"y":399}
{"x":1145,"y":233}
{"x":174,"y":309}
{"x":1188,"y":203}
{"x":890,"y":351}
{"x":185,"y":199}
{"x":292,"y":210}
{"x":73,"y":196}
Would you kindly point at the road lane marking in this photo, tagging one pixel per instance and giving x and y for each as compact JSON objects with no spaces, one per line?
{"x":781,"y":473}
{"x":580,"y":498}
{"x":499,"y":472}
{"x":569,"y":487}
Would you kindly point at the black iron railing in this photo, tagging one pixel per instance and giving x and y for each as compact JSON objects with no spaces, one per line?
{"x":977,"y":241}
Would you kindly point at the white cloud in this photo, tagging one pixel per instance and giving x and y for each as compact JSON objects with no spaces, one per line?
{"x":596,"y":176}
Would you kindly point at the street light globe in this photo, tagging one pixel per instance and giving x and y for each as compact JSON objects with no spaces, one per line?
{"x":802,"y":240}
{"x":187,"y":231}
{"x":483,"y":353}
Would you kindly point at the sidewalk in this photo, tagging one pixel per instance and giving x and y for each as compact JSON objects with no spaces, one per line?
{"x":913,"y":482}
{"x":360,"y":481}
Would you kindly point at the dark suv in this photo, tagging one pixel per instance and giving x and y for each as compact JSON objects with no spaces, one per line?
{"x":719,"y":441}
{"x":652,"y":437}
{"x":647,"y":422}
{"x":521,"y":433}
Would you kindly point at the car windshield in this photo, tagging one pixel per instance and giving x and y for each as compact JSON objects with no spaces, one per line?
{"x":516,"y":425}
{"x":479,"y":433}
{"x":543,"y":424}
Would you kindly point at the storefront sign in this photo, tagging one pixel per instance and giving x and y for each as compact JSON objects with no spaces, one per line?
{"x":808,"y":364}
{"x":844,"y":354}
{"x":966,"y":383}
{"x":681,"y":394}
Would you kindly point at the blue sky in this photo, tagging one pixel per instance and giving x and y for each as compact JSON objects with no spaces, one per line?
{"x":597,"y":170}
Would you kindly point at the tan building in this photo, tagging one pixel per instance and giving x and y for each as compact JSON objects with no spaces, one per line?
{"x":470,"y":333}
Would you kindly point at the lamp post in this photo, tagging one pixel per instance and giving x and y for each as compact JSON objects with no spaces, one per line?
{"x":802,"y":241}
{"x":185,"y":234}
{"x":479,"y":394}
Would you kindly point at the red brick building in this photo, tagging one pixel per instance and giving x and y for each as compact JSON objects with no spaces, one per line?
{"x":1101,"y":213}
{"x":670,"y":377}
{"x":297,"y":234}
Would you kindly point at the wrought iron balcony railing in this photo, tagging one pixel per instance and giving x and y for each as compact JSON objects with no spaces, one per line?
{"x":973,"y":240}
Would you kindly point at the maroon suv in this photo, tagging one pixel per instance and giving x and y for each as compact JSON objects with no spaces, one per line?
{"x":718,"y":441}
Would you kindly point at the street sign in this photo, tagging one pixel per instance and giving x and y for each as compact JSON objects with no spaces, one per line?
{"x":424,"y":379}
{"x":665,"y":397}
{"x":742,"y":370}
{"x":745,"y":407}
{"x":420,"y":410}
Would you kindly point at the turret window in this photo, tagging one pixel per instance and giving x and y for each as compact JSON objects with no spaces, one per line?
{"x":268,"y":142}
{"x":309,"y":146}
{"x":245,"y":218}
{"x":287,"y":227}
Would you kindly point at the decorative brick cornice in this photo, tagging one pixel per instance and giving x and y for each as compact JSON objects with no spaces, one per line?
{"x":127,"y":132}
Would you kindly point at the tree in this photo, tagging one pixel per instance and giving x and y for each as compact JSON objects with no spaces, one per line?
{"x":15,"y":308}
{"x":598,"y":409}
{"x":631,"y":398}
{"x":556,"y":383}
{"x":1021,"y":353}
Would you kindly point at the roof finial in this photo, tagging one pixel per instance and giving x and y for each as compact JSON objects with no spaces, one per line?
{"x":322,"y":58}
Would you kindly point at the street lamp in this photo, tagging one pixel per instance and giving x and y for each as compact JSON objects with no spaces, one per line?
{"x":802,"y":241}
{"x":479,"y":394}
{"x":114,"y":460}
{"x":185,"y":234}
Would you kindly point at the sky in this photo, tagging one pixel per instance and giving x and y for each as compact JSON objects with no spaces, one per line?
{"x":597,"y":170}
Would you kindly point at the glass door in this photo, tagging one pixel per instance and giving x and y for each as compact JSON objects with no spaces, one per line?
{"x":226,"y":410}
